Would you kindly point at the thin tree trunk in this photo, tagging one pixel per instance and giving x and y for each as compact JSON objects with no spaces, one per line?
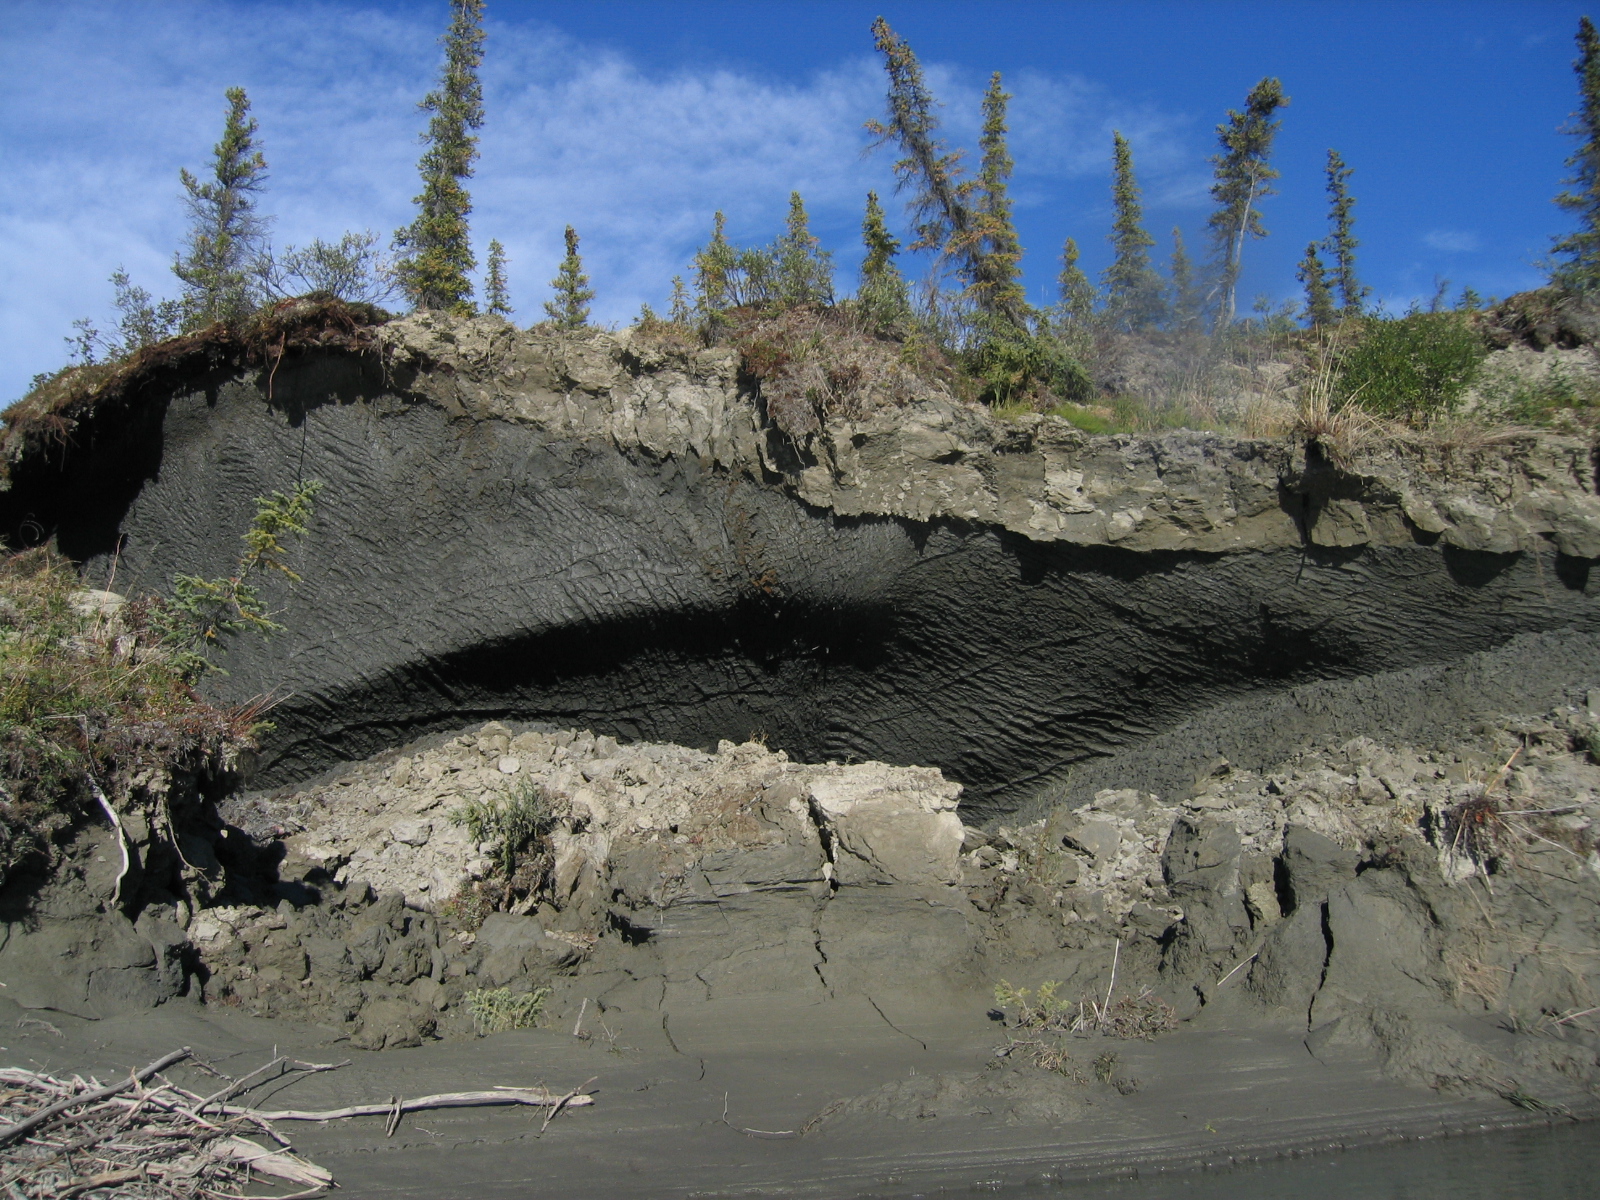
{"x":1236,"y":264}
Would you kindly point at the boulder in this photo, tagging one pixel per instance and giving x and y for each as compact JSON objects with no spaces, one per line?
{"x":890,"y":824}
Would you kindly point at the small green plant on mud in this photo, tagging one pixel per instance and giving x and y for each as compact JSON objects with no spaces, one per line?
{"x":1035,"y":1010}
{"x":495,"y":1010}
{"x":510,"y":823}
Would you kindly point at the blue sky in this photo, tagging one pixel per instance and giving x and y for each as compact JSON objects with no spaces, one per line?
{"x":635,"y":120}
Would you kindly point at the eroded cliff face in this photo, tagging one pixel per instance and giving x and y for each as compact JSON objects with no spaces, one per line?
{"x":989,"y":700}
{"x":604,"y":531}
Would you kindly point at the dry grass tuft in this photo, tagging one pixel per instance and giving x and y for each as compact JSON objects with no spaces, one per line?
{"x":1341,"y":428}
{"x":814,"y":364}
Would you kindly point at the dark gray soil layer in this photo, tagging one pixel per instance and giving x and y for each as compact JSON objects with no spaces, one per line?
{"x":466,"y":569}
{"x":1439,"y":703}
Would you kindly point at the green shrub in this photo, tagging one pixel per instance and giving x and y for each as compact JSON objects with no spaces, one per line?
{"x":1044,"y":1010}
{"x":84,"y":693}
{"x":97,"y":688}
{"x":510,"y":823}
{"x":1007,"y":364}
{"x":495,"y":1010}
{"x":1411,"y":368}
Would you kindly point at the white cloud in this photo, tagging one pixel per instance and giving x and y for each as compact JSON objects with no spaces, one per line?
{"x":1451,"y":241}
{"x":102,"y":103}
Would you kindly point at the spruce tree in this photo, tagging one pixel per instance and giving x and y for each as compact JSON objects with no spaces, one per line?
{"x":225,"y":232}
{"x":436,"y":255}
{"x":1580,"y":272}
{"x":1077,"y":293}
{"x":995,"y":284}
{"x":945,"y":222}
{"x":926,"y":166}
{"x":1319,"y":296}
{"x":1185,"y":294}
{"x":883,"y":290}
{"x":1242,"y":175}
{"x":804,"y":269}
{"x":678,"y":310}
{"x":570,"y":307}
{"x":714,"y":264}
{"x":1133,"y":289}
{"x":496,"y":294}
{"x":1341,"y":242}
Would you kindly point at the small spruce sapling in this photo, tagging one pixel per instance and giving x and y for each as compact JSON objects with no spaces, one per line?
{"x":1186,"y":302}
{"x":713,"y":264}
{"x":1077,"y":294}
{"x":678,"y":309}
{"x":1341,"y":242}
{"x":883,"y":293}
{"x":496,"y":293}
{"x":804,"y":269}
{"x":570,"y":307}
{"x":1133,"y":290}
{"x":1313,"y":275}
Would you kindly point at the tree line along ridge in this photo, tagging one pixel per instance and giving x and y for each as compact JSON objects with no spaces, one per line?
{"x":969,"y":309}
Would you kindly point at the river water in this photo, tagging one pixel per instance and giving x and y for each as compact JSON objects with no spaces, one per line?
{"x":1538,"y":1164}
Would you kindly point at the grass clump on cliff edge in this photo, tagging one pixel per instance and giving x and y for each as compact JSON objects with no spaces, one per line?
{"x":814,"y":363}
{"x":95,"y":690}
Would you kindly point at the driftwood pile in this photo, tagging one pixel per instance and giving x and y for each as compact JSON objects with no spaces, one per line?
{"x":145,"y":1136}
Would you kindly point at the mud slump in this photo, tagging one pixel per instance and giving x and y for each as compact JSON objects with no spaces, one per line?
{"x":1278,"y":774}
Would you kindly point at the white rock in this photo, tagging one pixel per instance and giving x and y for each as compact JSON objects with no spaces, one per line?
{"x":411,"y":833}
{"x":91,"y":603}
{"x":509,"y":765}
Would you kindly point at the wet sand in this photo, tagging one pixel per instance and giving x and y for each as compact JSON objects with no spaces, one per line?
{"x":1223,"y":1089}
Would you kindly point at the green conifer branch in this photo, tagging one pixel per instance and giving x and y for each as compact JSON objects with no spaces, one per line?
{"x":1580,"y":272}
